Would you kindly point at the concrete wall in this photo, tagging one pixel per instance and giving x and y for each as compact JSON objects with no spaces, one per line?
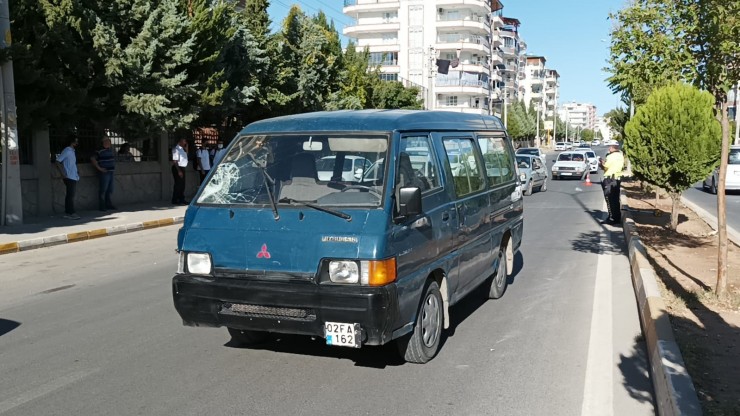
{"x":43,"y":190}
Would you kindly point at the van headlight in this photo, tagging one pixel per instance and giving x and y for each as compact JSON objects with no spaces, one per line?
{"x":199,"y":263}
{"x":344,"y":272}
{"x":523,"y":176}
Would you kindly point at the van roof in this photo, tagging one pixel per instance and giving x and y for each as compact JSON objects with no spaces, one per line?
{"x":376,"y":120}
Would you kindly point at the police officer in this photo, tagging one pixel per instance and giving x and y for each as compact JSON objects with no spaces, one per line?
{"x":612,"y":166}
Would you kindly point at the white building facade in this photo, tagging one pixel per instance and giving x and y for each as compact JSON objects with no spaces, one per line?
{"x":407,"y":37}
{"x":579,"y":115}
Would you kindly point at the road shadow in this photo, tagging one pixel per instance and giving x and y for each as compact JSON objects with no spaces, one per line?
{"x":635,"y":370}
{"x":708,"y":344}
{"x":7,"y":325}
{"x":378,"y":357}
{"x":594,"y":242}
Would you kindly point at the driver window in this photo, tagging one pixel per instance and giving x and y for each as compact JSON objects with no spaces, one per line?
{"x":417,"y":166}
{"x":536,"y":164}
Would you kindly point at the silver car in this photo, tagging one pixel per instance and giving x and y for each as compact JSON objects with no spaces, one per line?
{"x":532,"y":173}
{"x":732,"y":178}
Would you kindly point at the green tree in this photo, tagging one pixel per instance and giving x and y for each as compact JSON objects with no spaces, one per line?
{"x":617,"y":117}
{"x":587,"y":135}
{"x":356,"y":81}
{"x":674,"y":140}
{"x":393,"y":95}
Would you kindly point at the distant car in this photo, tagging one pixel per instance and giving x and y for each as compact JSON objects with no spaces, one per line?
{"x":532,"y":173}
{"x":534,"y":151}
{"x":352,"y":169}
{"x":732,"y":179}
{"x":593,"y":160}
{"x":560,"y":146}
{"x":596,"y":142}
{"x":570,"y":165}
{"x":568,"y":145}
{"x":576,"y":143}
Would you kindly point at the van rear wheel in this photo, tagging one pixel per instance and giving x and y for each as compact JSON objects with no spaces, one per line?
{"x":422,"y":345}
{"x":244,"y":338}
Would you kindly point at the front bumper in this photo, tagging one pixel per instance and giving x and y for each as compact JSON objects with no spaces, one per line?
{"x":285,"y":307}
{"x":567,"y":174}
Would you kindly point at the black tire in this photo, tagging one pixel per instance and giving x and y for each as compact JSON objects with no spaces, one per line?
{"x":530,"y":188}
{"x":500,"y":279}
{"x":423,"y":343}
{"x":713,"y":188}
{"x":543,"y":187}
{"x":245,"y":338}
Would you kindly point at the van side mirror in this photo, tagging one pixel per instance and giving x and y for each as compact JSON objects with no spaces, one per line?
{"x":409,"y":202}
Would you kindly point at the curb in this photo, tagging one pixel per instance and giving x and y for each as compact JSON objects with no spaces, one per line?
{"x":53,"y":240}
{"x":674,"y":390}
{"x":732,"y":234}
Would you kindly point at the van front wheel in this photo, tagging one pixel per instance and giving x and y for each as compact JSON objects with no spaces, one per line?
{"x":244,"y":338}
{"x":422,"y":345}
{"x":500,"y":279}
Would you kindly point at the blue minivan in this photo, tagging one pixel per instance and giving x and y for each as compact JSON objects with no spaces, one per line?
{"x":364,"y":259}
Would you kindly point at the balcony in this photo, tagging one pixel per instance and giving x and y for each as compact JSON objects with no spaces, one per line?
{"x":496,"y":21}
{"x":464,"y":42}
{"x":482,"y":5}
{"x":458,"y":86}
{"x":354,"y":31}
{"x":356,"y":6}
{"x":460,"y":22}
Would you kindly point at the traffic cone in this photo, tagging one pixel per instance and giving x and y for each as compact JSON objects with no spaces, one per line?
{"x":588,"y":179}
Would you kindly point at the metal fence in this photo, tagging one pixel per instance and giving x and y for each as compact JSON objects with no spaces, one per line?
{"x":89,"y":139}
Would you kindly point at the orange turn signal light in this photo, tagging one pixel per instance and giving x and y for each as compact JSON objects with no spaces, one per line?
{"x":381,"y":272}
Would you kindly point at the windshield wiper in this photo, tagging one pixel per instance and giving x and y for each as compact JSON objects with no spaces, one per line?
{"x":339,"y":214}
{"x":269,"y":182}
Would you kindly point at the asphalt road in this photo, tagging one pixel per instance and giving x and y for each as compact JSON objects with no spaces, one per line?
{"x":89,"y":329}
{"x":708,"y":201}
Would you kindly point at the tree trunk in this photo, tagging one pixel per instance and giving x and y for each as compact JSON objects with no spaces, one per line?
{"x":721,"y":287}
{"x":657,"y":198}
{"x":676,"y":199}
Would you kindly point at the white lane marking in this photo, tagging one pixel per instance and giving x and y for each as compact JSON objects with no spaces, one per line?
{"x":598,"y":390}
{"x":44,"y":389}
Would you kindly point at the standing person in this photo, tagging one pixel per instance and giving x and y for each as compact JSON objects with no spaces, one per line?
{"x":220,"y":153}
{"x":179,"y":163}
{"x":613,"y":165}
{"x":67,"y":165}
{"x":203,"y":159}
{"x":124,"y":153}
{"x":104,"y":160}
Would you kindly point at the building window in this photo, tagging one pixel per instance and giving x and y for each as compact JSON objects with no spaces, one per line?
{"x":451,"y":101}
{"x":390,"y":17}
{"x":389,"y":38}
{"x":508,"y":42}
{"x":383,"y":58}
{"x":389,"y":77}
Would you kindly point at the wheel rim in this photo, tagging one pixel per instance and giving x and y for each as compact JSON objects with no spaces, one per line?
{"x":501,"y":272}
{"x":544,"y":185}
{"x":430,"y":320}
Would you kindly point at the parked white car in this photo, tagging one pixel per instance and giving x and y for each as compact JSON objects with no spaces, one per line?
{"x":593,"y":159}
{"x":732,"y":179}
{"x":570,"y":165}
{"x":560,"y":146}
{"x":533,"y":151}
{"x":352,"y":170}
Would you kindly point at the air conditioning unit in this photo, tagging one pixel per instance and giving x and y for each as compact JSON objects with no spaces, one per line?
{"x":440,"y":10}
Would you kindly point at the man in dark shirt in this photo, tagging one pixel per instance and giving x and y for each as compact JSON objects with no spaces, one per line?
{"x":104,"y":161}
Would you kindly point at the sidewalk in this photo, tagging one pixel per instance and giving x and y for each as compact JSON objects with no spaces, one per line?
{"x":711,"y":219}
{"x":49,"y":231}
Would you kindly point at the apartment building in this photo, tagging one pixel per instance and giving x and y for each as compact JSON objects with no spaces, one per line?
{"x":540,"y":88}
{"x":552,"y":95}
{"x":602,"y":126}
{"x":511,"y":54}
{"x":407,"y":37}
{"x":579,"y":115}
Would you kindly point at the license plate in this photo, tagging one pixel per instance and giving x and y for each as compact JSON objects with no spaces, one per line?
{"x":566,"y":173}
{"x":342,"y":334}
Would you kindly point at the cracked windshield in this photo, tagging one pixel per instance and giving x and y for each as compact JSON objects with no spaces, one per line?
{"x":327,"y":170}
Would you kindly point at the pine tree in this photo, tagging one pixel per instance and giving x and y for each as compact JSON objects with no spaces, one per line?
{"x":674,"y":140}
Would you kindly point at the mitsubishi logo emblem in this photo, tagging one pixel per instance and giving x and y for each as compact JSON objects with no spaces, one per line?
{"x":263,"y":254}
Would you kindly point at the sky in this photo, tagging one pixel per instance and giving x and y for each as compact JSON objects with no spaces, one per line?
{"x":572,"y":34}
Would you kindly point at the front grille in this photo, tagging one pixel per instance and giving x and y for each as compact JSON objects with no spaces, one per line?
{"x":259,"y":311}
{"x":567,"y":168}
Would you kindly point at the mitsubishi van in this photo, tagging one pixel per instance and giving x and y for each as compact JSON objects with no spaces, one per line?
{"x":268,"y":245}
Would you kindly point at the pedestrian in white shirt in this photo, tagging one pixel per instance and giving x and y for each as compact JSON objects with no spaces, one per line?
{"x":220,"y":153}
{"x":67,"y":165}
{"x":179,"y":163}
{"x":204,"y":162}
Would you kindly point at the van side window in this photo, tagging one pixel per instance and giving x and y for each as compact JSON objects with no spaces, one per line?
{"x":417,"y":165}
{"x":465,"y":166}
{"x":498,"y":159}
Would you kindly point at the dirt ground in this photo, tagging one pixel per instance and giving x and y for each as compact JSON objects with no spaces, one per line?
{"x":707,"y":328}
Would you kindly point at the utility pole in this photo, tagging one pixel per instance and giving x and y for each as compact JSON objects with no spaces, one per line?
{"x":12,"y":202}
{"x":537,"y":123}
{"x":430,"y":78}
{"x":566,"y":125}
